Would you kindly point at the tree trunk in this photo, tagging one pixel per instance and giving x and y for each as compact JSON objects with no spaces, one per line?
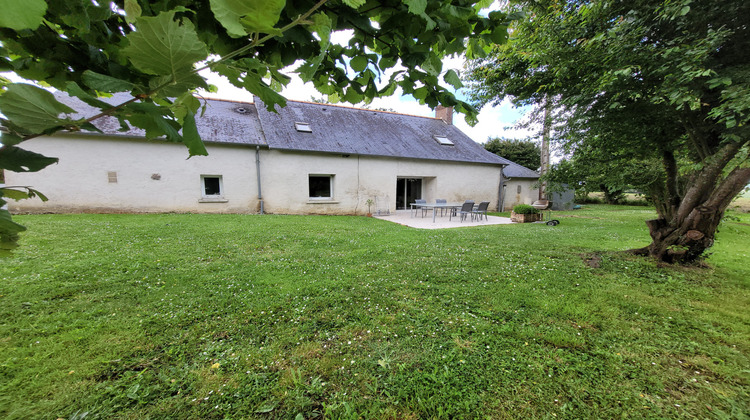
{"x":612,"y":195}
{"x":684,"y":240}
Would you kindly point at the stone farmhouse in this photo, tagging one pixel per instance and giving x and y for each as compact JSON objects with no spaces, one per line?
{"x":307,"y":158}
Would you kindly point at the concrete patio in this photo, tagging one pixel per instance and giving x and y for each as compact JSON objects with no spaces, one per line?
{"x":407,"y":218}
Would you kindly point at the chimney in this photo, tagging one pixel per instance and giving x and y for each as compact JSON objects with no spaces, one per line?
{"x":445,"y":114}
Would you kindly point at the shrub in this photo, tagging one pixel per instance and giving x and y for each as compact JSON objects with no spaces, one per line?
{"x":525,"y":209}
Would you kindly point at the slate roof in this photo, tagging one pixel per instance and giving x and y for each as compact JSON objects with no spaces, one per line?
{"x":335,"y":129}
{"x":345,"y":130}
{"x":223,"y":122}
{"x":515,"y":170}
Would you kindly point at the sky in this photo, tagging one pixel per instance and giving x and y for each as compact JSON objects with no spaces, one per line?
{"x":492,"y":120}
{"x":497,"y":121}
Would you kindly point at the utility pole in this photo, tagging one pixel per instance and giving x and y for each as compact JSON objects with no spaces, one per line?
{"x":545,"y":147}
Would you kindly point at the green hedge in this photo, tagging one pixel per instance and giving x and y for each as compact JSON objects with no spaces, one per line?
{"x":525,"y":209}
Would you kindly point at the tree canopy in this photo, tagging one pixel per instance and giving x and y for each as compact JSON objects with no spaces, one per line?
{"x":663,"y":81}
{"x":155,"y":50}
{"x":523,"y":152}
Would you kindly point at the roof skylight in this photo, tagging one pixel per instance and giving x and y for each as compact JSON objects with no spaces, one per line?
{"x":303,"y":127}
{"x":443,"y":140}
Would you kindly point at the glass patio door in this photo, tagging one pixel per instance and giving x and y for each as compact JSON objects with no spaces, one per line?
{"x":407,"y":190}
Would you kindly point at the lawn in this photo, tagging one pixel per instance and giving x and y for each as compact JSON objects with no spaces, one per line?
{"x":246,"y":316}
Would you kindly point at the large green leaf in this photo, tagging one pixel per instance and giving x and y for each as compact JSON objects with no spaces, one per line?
{"x":8,"y":233}
{"x":242,"y":17}
{"x":164,"y":47}
{"x":8,"y":139}
{"x":255,"y":84}
{"x":18,"y":193}
{"x":22,"y":14}
{"x":166,"y":88}
{"x":322,"y":25}
{"x":73,"y":89}
{"x":154,"y":119}
{"x":416,"y":7}
{"x":359,"y":63}
{"x":452,"y":78}
{"x":355,"y":4}
{"x":433,"y":65}
{"x":104,"y":83}
{"x":132,"y":10}
{"x":191,"y":137}
{"x":16,"y":159}
{"x":31,"y":108}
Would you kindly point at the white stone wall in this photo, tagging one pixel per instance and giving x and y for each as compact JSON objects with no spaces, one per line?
{"x":528,"y":193}
{"x":151,"y":177}
{"x":357,"y":178}
{"x":158,"y":177}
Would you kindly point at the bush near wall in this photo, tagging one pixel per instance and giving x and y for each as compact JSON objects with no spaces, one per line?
{"x":524,"y":213}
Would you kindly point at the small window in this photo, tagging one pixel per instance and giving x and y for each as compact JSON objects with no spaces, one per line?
{"x":303,"y":127}
{"x":519,"y":189}
{"x":211,"y":186}
{"x":443,"y":140}
{"x":112,"y":177}
{"x":321,"y":186}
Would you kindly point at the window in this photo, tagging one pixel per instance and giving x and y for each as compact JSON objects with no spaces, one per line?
{"x":321,"y":187}
{"x":519,"y":189}
{"x":443,"y":140}
{"x":303,"y":127}
{"x":112,"y":177}
{"x":212,"y":187}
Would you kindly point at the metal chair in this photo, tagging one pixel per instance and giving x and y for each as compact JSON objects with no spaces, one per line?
{"x":481,"y":210}
{"x":424,"y":211}
{"x":441,"y":201}
{"x":466,"y":208}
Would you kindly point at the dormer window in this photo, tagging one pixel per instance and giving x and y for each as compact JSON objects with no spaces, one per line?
{"x":443,"y":140}
{"x":303,"y":127}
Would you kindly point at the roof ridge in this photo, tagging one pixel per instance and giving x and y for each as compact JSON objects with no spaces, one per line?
{"x":225,"y":100}
{"x":357,"y":108}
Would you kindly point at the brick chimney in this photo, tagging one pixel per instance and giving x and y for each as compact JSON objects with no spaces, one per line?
{"x":445,"y":114}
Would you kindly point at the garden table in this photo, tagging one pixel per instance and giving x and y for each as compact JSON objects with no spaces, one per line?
{"x":435,"y":206}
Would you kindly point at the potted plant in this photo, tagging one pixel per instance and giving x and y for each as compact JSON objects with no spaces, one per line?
{"x":369,"y":203}
{"x":524,"y":213}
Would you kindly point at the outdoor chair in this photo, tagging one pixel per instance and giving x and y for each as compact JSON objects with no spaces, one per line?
{"x":441,"y":201}
{"x":481,"y":210}
{"x":467,"y":208}
{"x":424,"y":210}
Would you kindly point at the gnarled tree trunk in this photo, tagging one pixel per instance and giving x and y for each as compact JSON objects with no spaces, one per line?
{"x":690,"y":231}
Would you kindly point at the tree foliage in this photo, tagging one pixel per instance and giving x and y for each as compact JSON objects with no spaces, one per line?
{"x":155,"y":50}
{"x":523,"y":152}
{"x":592,"y":170}
{"x":642,"y":81}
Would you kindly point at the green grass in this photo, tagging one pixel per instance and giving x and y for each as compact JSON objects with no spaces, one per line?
{"x":241,"y":316}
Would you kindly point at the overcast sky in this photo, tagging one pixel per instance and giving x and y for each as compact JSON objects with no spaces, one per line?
{"x":493,"y":121}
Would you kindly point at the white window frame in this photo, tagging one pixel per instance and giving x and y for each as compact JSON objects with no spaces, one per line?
{"x":443,"y":140}
{"x":212,"y":198}
{"x":303,"y":127}
{"x":330,"y":180}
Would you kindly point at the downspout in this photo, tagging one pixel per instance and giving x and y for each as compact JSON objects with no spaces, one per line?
{"x":257,"y":170}
{"x":501,"y":191}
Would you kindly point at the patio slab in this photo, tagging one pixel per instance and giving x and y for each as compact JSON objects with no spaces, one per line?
{"x":404,"y":217}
